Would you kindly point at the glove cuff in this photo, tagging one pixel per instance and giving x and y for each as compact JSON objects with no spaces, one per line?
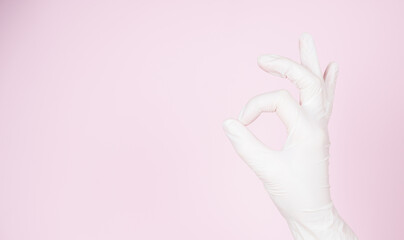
{"x":321,"y":224}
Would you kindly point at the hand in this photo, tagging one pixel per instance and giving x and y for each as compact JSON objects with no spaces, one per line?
{"x":296,"y":177}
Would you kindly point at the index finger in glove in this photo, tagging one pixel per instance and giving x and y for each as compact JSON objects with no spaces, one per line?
{"x":309,"y":84}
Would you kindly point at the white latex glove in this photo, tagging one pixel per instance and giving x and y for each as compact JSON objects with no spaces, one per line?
{"x":296,"y":178}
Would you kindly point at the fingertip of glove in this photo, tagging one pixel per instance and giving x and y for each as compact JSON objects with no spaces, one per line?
{"x":332,"y":70}
{"x":231,"y":125}
{"x":240,"y":116}
{"x":228,"y":122}
{"x":305,"y":36}
{"x":265,"y":58}
{"x":265,"y":63}
{"x":335,"y":65}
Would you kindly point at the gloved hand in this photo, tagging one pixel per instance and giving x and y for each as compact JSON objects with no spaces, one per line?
{"x":296,"y":177}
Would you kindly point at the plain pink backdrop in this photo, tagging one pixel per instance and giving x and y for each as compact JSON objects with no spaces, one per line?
{"x":111,"y":116}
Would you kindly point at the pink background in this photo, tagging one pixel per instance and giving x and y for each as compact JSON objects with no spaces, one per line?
{"x":111,"y":116}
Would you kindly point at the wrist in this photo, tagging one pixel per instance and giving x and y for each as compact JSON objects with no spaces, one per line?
{"x":320,"y":224}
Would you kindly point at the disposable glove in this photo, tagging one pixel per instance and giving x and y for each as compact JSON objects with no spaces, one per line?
{"x":296,"y":177}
